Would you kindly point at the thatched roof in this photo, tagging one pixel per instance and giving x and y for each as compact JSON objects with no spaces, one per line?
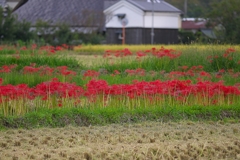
{"x":72,"y":12}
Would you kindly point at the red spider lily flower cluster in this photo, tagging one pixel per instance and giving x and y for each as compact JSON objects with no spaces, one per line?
{"x":7,"y":68}
{"x":159,"y":53}
{"x":46,"y":49}
{"x":163,"y":52}
{"x":59,"y":89}
{"x":228,"y":55}
{"x":46,"y":70}
{"x":44,"y":90}
{"x":10,"y":92}
{"x":136,"y":72}
{"x":91,"y":73}
{"x":175,"y":88}
{"x":185,"y":71}
{"x":117,"y":53}
{"x":207,"y":93}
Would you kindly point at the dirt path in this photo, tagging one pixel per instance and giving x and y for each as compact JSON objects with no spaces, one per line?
{"x":149,"y":140}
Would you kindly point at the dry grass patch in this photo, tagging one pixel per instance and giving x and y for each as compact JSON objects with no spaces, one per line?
{"x":149,"y":140}
{"x":99,"y":60}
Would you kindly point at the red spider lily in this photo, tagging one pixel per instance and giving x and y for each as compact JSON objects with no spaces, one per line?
{"x":173,"y":88}
{"x":176,"y":74}
{"x":34,"y":46}
{"x":10,"y":92}
{"x":65,"y":46}
{"x":59,"y":89}
{"x":45,"y":70}
{"x":58,"y":48}
{"x":116,"y":72}
{"x":136,"y":72}
{"x":227,"y":55}
{"x":141,"y":54}
{"x":7,"y":69}
{"x":91,"y":73}
{"x":230,"y":50}
{"x":30,"y":69}
{"x":49,"y":49}
{"x":205,"y":92}
{"x":183,"y":67}
{"x":117,"y":53}
{"x":205,"y":74}
{"x":23,"y":48}
{"x":162,"y":52}
{"x":64,"y":71}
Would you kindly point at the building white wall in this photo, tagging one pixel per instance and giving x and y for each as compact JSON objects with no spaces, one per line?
{"x":133,"y":14}
{"x":140,"y":19}
{"x":12,"y":4}
{"x":162,"y":20}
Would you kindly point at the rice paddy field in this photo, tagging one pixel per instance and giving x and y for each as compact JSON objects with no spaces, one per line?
{"x":147,"y":140}
{"x":120,"y":102}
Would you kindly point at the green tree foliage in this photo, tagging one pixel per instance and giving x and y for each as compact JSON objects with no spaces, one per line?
{"x":61,"y":34}
{"x":13,"y":30}
{"x":225,"y":17}
{"x":7,"y":27}
{"x":195,"y":8}
{"x":22,"y":31}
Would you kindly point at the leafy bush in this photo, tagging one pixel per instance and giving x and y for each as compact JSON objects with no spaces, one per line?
{"x":12,"y":30}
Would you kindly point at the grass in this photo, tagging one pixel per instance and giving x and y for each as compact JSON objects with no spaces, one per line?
{"x":189,"y":49}
{"x":51,"y":61}
{"x":60,"y":117}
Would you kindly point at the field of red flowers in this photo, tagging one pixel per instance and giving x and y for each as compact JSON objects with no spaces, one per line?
{"x":155,"y":78}
{"x":54,"y":87}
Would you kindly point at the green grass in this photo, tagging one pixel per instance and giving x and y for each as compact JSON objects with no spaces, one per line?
{"x":167,"y":64}
{"x":51,"y":61}
{"x":101,"y":116}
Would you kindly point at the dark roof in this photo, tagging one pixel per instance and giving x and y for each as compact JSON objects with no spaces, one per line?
{"x":109,"y":3}
{"x":20,"y":3}
{"x":146,"y":5}
{"x":72,"y":12}
{"x":194,"y":25}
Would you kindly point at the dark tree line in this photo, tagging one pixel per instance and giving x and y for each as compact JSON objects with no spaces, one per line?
{"x":222,"y":15}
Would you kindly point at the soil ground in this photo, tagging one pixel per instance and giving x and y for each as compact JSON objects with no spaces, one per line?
{"x":148,"y":140}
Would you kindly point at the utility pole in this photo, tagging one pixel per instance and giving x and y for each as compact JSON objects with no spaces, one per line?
{"x":152,"y":30}
{"x":185,"y":7}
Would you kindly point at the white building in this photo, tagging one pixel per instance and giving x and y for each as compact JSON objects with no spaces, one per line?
{"x":147,"y":21}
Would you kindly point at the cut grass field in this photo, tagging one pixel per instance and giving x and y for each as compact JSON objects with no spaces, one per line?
{"x":147,"y":140}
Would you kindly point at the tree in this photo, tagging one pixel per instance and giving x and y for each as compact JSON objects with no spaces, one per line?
{"x":13,"y":30}
{"x":7,"y":28}
{"x":195,"y":8}
{"x":22,"y":31}
{"x":225,"y":17}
